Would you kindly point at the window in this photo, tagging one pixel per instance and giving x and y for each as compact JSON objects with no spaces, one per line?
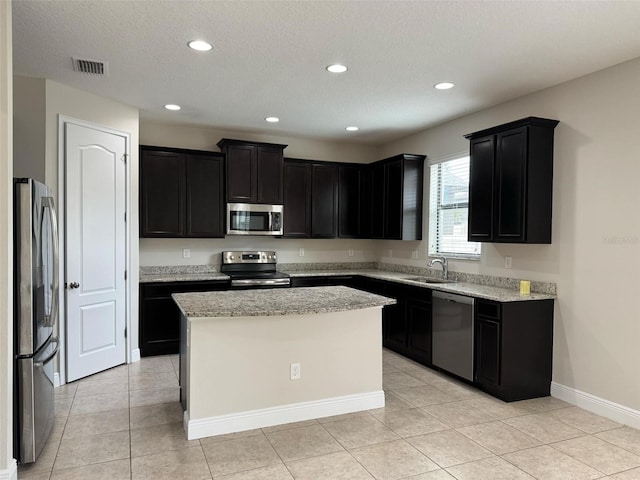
{"x":449,"y":210}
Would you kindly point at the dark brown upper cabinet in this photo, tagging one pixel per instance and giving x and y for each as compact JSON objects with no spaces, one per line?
{"x":254,"y":171}
{"x":396,"y":197}
{"x":310,"y":199}
{"x":297,"y":198}
{"x":324,"y":200}
{"x":511,"y":182}
{"x":354,"y":206}
{"x":181,"y":193}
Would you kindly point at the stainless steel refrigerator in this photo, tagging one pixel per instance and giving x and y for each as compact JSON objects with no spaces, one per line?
{"x":35,"y":316}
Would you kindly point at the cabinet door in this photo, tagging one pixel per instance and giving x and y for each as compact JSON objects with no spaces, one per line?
{"x":349,"y":201}
{"x":324,"y":199}
{"x":511,"y":168}
{"x":159,"y":326}
{"x":366,"y":213}
{"x":394,"y":327}
{"x":297,"y":199}
{"x":242,"y":179}
{"x":393,"y":200}
{"x":205,"y":198}
{"x":377,"y":201}
{"x":419,"y":330}
{"x":270,"y":164}
{"x":162,"y":194}
{"x":481,"y":178}
{"x":488,"y":337}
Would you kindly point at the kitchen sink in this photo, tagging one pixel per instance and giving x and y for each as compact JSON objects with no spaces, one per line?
{"x":427,"y":280}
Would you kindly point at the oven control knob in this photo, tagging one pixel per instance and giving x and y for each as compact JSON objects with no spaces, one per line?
{"x":232,"y":257}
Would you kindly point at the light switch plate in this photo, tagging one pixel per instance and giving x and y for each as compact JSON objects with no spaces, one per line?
{"x":186,"y":253}
{"x":507,"y":262}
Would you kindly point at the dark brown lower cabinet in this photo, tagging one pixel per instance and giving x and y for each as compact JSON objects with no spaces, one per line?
{"x":419,"y":330}
{"x":159,"y":318}
{"x":514,"y":348}
{"x":513,"y":340}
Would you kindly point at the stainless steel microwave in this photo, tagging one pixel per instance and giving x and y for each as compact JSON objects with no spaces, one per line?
{"x":254,"y":219}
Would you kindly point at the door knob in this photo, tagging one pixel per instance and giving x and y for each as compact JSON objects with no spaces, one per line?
{"x":73,"y":285}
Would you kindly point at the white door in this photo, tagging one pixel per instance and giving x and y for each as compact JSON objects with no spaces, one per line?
{"x":95,"y":250}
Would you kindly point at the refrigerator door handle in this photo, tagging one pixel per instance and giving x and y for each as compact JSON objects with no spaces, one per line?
{"x":50,"y":357}
{"x":50,"y":320}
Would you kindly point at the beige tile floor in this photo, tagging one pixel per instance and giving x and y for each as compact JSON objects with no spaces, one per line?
{"x":125,"y":423}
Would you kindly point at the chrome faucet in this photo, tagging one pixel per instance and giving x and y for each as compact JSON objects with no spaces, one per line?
{"x":443,"y":263}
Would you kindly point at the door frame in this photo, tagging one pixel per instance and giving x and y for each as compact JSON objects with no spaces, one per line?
{"x":60,"y":377}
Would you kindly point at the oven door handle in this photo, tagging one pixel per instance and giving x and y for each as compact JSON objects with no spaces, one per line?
{"x":278,"y":281}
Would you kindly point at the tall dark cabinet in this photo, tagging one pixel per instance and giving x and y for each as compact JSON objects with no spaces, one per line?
{"x":181,"y":193}
{"x":354,"y":207}
{"x":297,"y":198}
{"x":396,"y":197}
{"x":511,"y":182}
{"x":254,"y":171}
{"x":324,"y":200}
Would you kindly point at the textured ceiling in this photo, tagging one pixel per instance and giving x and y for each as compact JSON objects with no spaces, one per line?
{"x":269,"y":57}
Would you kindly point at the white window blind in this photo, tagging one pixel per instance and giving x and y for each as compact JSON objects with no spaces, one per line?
{"x":449,"y":210}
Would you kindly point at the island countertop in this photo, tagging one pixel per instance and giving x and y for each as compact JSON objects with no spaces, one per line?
{"x":280,"y":301}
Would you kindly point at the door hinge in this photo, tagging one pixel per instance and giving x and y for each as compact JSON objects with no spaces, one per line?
{"x":125,"y":216}
{"x":125,"y":274}
{"x":124,"y":157}
{"x":125,"y":332}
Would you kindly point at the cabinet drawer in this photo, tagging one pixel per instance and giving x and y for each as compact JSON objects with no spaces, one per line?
{"x":485,"y":308}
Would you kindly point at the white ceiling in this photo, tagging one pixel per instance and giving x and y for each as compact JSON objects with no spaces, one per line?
{"x":269,"y":57}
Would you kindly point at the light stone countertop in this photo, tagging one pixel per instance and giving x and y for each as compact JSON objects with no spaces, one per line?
{"x":182,"y":277}
{"x":475,"y":290}
{"x":488,"y":292}
{"x":274,"y":302}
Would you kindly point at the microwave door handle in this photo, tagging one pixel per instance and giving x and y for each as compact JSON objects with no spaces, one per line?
{"x":270,"y":221}
{"x":53,"y":219}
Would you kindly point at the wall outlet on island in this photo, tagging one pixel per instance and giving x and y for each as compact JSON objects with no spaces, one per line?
{"x":295,"y":371}
{"x":301,"y":252}
{"x":186,"y":253}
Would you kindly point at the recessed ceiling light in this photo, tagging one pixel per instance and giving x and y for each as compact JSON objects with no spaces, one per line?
{"x":352,"y":129}
{"x":337,"y":68}
{"x":272,"y":119}
{"x":171,"y":106}
{"x":444,"y":85}
{"x":200,"y":45}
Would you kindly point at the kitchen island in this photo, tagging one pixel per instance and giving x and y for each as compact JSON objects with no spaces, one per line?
{"x":241,"y":349}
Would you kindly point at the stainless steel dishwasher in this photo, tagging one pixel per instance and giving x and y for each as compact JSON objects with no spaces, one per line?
{"x":452,"y":348}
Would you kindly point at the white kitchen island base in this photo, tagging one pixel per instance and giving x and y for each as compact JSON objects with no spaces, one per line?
{"x":235,"y":370}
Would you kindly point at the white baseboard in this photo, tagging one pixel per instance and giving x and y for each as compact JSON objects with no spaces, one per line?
{"x":614,"y":411}
{"x":267,"y":417}
{"x":11,"y":473}
{"x":56,"y":379}
{"x":135,"y":355}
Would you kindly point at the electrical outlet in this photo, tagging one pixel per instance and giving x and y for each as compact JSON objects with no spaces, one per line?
{"x":390,"y":253}
{"x":507,"y":262}
{"x":301,"y":252}
{"x":186,"y":253}
{"x":295,"y":371}
{"x":414,"y":254}
{"x":351,"y":252}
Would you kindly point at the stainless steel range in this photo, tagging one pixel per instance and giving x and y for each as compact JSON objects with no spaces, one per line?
{"x":253,"y":270}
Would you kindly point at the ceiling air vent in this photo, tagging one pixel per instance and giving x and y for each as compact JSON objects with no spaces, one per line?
{"x":93,"y":67}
